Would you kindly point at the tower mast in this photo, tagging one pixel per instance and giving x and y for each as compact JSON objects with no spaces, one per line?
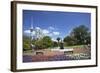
{"x":31,"y":31}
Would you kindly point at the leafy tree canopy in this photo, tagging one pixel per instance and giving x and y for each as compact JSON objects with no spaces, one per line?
{"x":80,"y":35}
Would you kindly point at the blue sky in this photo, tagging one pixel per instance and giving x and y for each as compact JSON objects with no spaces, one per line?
{"x":55,"y":24}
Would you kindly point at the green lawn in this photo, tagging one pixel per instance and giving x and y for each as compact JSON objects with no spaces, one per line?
{"x":76,"y":46}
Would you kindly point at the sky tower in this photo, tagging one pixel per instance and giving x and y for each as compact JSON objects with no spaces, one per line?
{"x":31,"y":33}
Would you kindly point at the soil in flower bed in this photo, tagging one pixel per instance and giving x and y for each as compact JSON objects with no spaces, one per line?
{"x":27,"y":58}
{"x":39,"y":58}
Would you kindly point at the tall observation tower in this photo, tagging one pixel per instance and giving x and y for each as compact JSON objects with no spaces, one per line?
{"x":37,"y":34}
{"x":31,"y":34}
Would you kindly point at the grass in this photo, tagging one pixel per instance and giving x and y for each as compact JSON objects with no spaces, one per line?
{"x":76,"y":46}
{"x":68,"y":47}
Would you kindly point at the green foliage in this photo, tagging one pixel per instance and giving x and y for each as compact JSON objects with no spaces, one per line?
{"x":55,"y":44}
{"x":69,"y":41}
{"x":79,"y":36}
{"x":43,"y":43}
{"x":39,"y":44}
{"x":26,"y":43}
{"x":47,"y":41}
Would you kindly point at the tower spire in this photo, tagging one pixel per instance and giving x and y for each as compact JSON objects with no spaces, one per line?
{"x":31,"y":29}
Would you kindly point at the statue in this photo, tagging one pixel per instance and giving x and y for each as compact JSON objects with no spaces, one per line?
{"x":61,"y":45}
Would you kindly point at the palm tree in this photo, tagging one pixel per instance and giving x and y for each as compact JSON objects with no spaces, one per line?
{"x":58,"y":39}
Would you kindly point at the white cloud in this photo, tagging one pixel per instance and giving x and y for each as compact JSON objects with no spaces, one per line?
{"x":33,"y":33}
{"x":37,"y":28}
{"x":51,"y":28}
{"x":50,"y":34}
{"x":27,"y":32}
{"x":45,"y":31}
{"x":56,"y":33}
{"x":54,"y":40}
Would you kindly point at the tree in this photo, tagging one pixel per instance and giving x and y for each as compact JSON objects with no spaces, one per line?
{"x":39,"y":44}
{"x":26,"y":43}
{"x":88,"y":38}
{"x":47,"y":41}
{"x":55,"y":44}
{"x":80,"y":34}
{"x":43,"y":43}
{"x":69,"y":41}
